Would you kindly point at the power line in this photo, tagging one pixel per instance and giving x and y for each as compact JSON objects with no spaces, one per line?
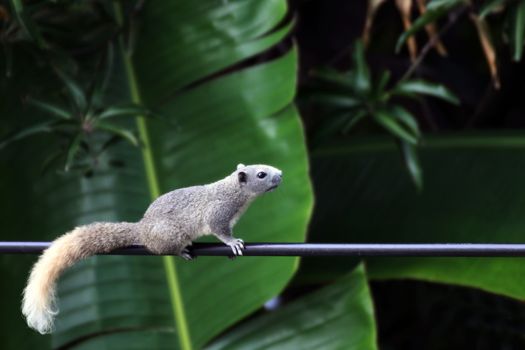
{"x":316,"y":249}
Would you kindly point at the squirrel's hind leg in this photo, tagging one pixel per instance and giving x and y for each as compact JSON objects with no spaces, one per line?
{"x":162,"y":238}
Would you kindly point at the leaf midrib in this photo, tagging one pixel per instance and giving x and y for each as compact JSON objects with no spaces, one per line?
{"x":476,"y":140}
{"x":179,"y":314}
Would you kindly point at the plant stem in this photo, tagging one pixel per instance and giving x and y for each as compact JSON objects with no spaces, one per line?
{"x":454,"y":16}
{"x":181,"y":322}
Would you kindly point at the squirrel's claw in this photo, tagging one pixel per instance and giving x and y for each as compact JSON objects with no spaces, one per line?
{"x":241,"y":242}
{"x":186,"y":254}
{"x":237,"y":246}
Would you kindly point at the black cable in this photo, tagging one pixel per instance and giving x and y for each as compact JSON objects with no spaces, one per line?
{"x":316,"y":249}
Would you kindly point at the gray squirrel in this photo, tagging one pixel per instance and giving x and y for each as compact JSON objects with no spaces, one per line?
{"x":169,"y":226}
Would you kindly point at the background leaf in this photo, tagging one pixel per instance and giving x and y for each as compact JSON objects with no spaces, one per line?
{"x":72,"y":151}
{"x":45,"y":127}
{"x":116,"y":130}
{"x":409,"y":153}
{"x":406,"y":118}
{"x":334,"y":80}
{"x":208,"y":35}
{"x":369,"y":200}
{"x":387,"y":120}
{"x":517,"y":14}
{"x":435,"y":10}
{"x":244,"y":116}
{"x":339,"y":316}
{"x":51,"y":109}
{"x":490,"y":7}
{"x":74,"y":91}
{"x":411,"y":87}
{"x":262,"y":128}
{"x":362,"y":74}
{"x":119,"y":111}
{"x":334,"y":100}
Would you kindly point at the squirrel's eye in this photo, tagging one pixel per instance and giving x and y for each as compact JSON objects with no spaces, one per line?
{"x":261,"y":175}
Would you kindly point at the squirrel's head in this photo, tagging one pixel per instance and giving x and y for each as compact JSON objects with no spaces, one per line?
{"x":257,"y":179}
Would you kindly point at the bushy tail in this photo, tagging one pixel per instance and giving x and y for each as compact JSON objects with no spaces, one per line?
{"x":39,"y":299}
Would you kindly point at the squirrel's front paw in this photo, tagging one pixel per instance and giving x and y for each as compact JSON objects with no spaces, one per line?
{"x":237,"y":246}
{"x":186,"y":254}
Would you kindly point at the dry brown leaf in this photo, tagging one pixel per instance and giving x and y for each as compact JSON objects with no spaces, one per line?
{"x":405,"y":7}
{"x":373,"y":6}
{"x":488,"y":47}
{"x":431,"y":30}
{"x":4,"y":15}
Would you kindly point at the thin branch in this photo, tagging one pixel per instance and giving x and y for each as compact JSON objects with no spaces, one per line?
{"x":316,"y":249}
{"x":454,"y":16}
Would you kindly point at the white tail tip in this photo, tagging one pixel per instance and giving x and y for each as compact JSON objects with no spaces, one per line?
{"x":39,"y":315}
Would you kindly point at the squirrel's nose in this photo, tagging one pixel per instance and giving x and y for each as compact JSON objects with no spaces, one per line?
{"x":276,"y":179}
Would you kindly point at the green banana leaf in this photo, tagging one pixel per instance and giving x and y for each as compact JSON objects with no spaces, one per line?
{"x":117,"y":302}
{"x":339,"y":316}
{"x":473,"y":193}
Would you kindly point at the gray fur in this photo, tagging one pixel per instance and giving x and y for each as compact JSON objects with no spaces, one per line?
{"x":177,"y":218}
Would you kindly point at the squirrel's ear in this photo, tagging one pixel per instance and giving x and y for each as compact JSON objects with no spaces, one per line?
{"x":242,"y":177}
{"x":240,"y":165}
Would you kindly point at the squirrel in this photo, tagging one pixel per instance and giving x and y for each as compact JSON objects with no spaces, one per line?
{"x":169,"y":226}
